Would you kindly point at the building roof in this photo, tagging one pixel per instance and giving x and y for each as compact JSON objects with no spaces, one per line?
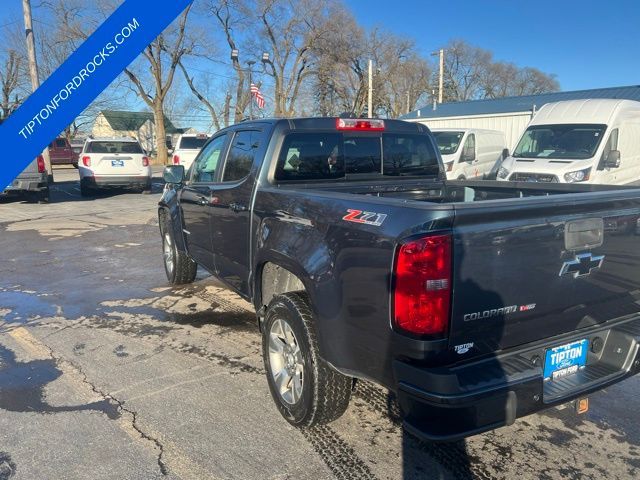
{"x":121,"y":121}
{"x":524,"y":103}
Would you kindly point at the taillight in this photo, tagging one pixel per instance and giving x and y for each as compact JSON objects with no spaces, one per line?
{"x":422,"y":290}
{"x":41,"y":165}
{"x":145,"y":161}
{"x":366,"y":124}
{"x":176,"y":160}
{"x":86,"y":161}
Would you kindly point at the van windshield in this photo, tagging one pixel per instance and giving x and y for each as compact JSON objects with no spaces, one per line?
{"x":448,"y":142}
{"x":576,"y":142}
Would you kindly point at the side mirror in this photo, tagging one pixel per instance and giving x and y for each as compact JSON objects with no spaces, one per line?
{"x":613,"y":159}
{"x":505,"y":153}
{"x":173,"y":174}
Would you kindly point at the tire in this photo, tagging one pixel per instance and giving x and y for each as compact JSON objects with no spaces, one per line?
{"x":85,"y":191}
{"x":314,"y":393}
{"x":75,"y":165}
{"x":178,"y":266}
{"x":43,"y":196}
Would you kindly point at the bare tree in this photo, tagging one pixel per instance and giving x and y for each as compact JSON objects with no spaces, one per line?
{"x":163,"y":56}
{"x":10,"y":80}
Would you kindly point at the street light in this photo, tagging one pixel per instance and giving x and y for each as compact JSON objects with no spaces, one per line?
{"x":235,"y":57}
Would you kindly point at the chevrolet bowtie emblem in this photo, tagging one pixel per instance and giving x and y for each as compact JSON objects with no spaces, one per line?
{"x":582,"y":265}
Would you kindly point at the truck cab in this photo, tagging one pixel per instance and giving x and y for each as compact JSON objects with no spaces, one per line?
{"x":592,"y":141}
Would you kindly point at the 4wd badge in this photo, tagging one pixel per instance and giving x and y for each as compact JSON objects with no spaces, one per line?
{"x":368,"y":218}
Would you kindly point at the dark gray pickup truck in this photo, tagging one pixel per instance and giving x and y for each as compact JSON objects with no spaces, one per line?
{"x":474,"y":302}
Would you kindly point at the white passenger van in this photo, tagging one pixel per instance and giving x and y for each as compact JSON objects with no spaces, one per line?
{"x":587,"y":141}
{"x":469,"y":153}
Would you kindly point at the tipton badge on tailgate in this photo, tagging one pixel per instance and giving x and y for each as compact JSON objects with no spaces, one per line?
{"x":368,"y":218}
{"x":582,"y":265}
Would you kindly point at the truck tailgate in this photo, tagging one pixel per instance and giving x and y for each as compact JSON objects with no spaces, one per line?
{"x":540,"y":267}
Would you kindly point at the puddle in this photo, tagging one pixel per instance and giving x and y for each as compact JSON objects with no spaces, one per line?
{"x":22,"y":387}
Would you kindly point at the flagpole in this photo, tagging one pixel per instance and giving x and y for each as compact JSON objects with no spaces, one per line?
{"x":250,"y":63}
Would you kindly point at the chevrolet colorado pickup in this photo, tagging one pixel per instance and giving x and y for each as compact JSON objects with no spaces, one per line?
{"x":475,"y":302}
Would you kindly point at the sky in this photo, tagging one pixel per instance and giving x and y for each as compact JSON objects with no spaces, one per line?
{"x":586,"y":43}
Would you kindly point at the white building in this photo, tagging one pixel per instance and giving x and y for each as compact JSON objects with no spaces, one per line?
{"x":510,"y":115}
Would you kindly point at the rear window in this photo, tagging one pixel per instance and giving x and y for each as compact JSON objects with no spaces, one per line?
{"x":61,"y":143}
{"x":114,"y":147}
{"x":192,"y":143}
{"x":327,"y":156}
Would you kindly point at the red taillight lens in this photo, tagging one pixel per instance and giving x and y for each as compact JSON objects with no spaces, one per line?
{"x":422,"y":293}
{"x":370,"y":124}
{"x":176,"y":160}
{"x":41,"y":165}
{"x":86,"y":161}
{"x":145,"y":161}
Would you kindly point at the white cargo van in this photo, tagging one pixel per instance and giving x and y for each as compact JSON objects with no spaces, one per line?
{"x":587,"y":141}
{"x":469,"y":153}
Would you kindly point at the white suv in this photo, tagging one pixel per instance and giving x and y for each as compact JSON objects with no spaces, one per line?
{"x":187,"y":148}
{"x":113,"y":162}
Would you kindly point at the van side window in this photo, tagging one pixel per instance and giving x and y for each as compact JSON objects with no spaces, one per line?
{"x":612,"y":144}
{"x":207,"y":162}
{"x":241,"y":155}
{"x":469,"y":149}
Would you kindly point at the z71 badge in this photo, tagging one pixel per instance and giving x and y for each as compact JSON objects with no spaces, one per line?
{"x":368,"y":218}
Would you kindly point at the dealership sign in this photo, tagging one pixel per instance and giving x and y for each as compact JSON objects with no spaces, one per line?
{"x":80,"y":79}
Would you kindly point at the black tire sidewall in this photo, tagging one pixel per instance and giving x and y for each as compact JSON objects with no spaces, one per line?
{"x":300,"y":413}
{"x":167,"y":230}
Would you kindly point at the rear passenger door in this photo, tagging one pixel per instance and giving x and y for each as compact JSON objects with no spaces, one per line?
{"x":231,"y":208}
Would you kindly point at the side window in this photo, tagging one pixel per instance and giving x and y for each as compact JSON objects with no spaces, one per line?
{"x":469,"y":150}
{"x":241,"y":155}
{"x":204,"y":167}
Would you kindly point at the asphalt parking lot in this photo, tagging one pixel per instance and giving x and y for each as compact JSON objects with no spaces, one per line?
{"x":107,"y":372}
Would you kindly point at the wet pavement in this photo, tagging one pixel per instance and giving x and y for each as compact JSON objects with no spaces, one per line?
{"x":107,"y":372}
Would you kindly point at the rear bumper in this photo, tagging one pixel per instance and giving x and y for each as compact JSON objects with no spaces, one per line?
{"x":447,"y":404}
{"x":27,"y":183}
{"x":117,"y":181}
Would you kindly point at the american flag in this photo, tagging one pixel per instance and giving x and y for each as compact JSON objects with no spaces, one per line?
{"x":257,"y":94}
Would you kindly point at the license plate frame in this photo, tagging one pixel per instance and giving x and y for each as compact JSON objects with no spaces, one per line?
{"x":566,"y":359}
{"x":117,"y":163}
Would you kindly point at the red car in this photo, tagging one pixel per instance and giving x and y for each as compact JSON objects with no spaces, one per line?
{"x":61,"y":153}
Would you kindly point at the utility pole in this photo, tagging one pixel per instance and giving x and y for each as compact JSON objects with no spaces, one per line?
{"x":250,"y":64}
{"x":31,"y":45}
{"x":370,"y":97}
{"x":33,"y":68}
{"x":441,"y":82}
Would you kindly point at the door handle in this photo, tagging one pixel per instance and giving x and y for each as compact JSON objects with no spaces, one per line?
{"x":237,"y":207}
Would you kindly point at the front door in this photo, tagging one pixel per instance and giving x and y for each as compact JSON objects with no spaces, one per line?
{"x":231,"y":210}
{"x":195,"y":201}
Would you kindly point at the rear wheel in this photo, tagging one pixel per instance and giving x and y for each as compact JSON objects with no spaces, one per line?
{"x":179,"y":267}
{"x":307,"y":391}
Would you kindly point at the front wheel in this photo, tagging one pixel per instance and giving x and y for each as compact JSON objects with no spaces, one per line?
{"x":179,"y":267}
{"x":306,"y":389}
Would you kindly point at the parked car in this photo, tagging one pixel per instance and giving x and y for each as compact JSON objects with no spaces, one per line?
{"x":469,"y":153}
{"x":61,"y":153}
{"x":32,"y":183}
{"x":579,"y":141}
{"x":476,"y":302}
{"x":113,"y":162}
{"x":187,"y":147}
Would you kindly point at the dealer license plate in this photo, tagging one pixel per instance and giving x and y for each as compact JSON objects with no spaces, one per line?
{"x":565,"y":359}
{"x":117,"y":163}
